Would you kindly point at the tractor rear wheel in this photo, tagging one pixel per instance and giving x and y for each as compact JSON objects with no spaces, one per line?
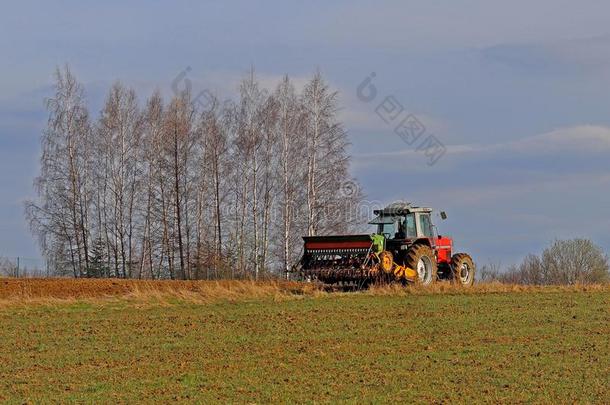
{"x":462,"y":268}
{"x":421,"y":259}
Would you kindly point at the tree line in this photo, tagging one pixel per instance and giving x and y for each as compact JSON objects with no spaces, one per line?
{"x":174,"y":189}
{"x":565,"y":262}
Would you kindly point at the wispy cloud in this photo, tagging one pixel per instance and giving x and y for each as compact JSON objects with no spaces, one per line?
{"x":590,"y":139}
{"x":569,"y":56}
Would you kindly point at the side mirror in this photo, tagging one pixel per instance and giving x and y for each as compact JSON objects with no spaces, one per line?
{"x":443,"y":215}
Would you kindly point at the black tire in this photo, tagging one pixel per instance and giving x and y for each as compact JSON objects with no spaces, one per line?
{"x":462,"y":269}
{"x":421,"y":257}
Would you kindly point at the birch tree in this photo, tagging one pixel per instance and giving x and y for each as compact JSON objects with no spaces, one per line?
{"x":120,"y":132}
{"x":289,"y":127}
{"x":60,"y":215}
{"x":327,"y":159}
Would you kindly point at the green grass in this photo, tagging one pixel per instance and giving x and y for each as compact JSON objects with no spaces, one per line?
{"x":544,"y":347}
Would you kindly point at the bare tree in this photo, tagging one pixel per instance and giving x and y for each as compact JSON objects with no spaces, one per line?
{"x":576,"y":261}
{"x":60,"y":215}
{"x":120,"y":134}
{"x":179,"y":119}
{"x":328,"y":209}
{"x":289,"y":126}
{"x":215,"y":166}
{"x":153,"y":227}
{"x":248,"y":143}
{"x":8,"y":268}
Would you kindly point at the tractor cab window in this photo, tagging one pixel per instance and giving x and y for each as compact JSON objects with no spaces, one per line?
{"x":406,"y":227}
{"x":410,"y":226}
{"x":388,"y":229}
{"x":426,"y":225}
{"x":386,"y":225}
{"x":396,"y":227}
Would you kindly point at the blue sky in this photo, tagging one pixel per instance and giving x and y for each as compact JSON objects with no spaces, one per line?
{"x":519,"y":92}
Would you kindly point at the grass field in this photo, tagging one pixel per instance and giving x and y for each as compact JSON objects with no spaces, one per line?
{"x":288,"y":343}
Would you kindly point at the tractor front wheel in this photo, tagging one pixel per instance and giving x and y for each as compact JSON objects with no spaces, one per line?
{"x":386,"y":261}
{"x":421,"y":259}
{"x":462,"y":268}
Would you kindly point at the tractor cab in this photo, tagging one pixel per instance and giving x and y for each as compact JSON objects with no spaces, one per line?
{"x":404,"y":225}
{"x":402,"y":221}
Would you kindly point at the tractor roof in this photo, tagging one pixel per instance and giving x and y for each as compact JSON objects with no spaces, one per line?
{"x":400,"y":208}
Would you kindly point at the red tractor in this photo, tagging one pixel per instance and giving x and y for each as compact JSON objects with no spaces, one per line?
{"x":404,"y":248}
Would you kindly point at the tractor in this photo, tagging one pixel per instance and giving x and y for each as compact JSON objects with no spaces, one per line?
{"x":405,"y":248}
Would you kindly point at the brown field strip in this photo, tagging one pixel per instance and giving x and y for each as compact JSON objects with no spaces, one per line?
{"x":26,"y":291}
{"x":15,"y":291}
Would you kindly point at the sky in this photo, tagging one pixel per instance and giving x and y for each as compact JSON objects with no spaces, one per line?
{"x":517,"y":93}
